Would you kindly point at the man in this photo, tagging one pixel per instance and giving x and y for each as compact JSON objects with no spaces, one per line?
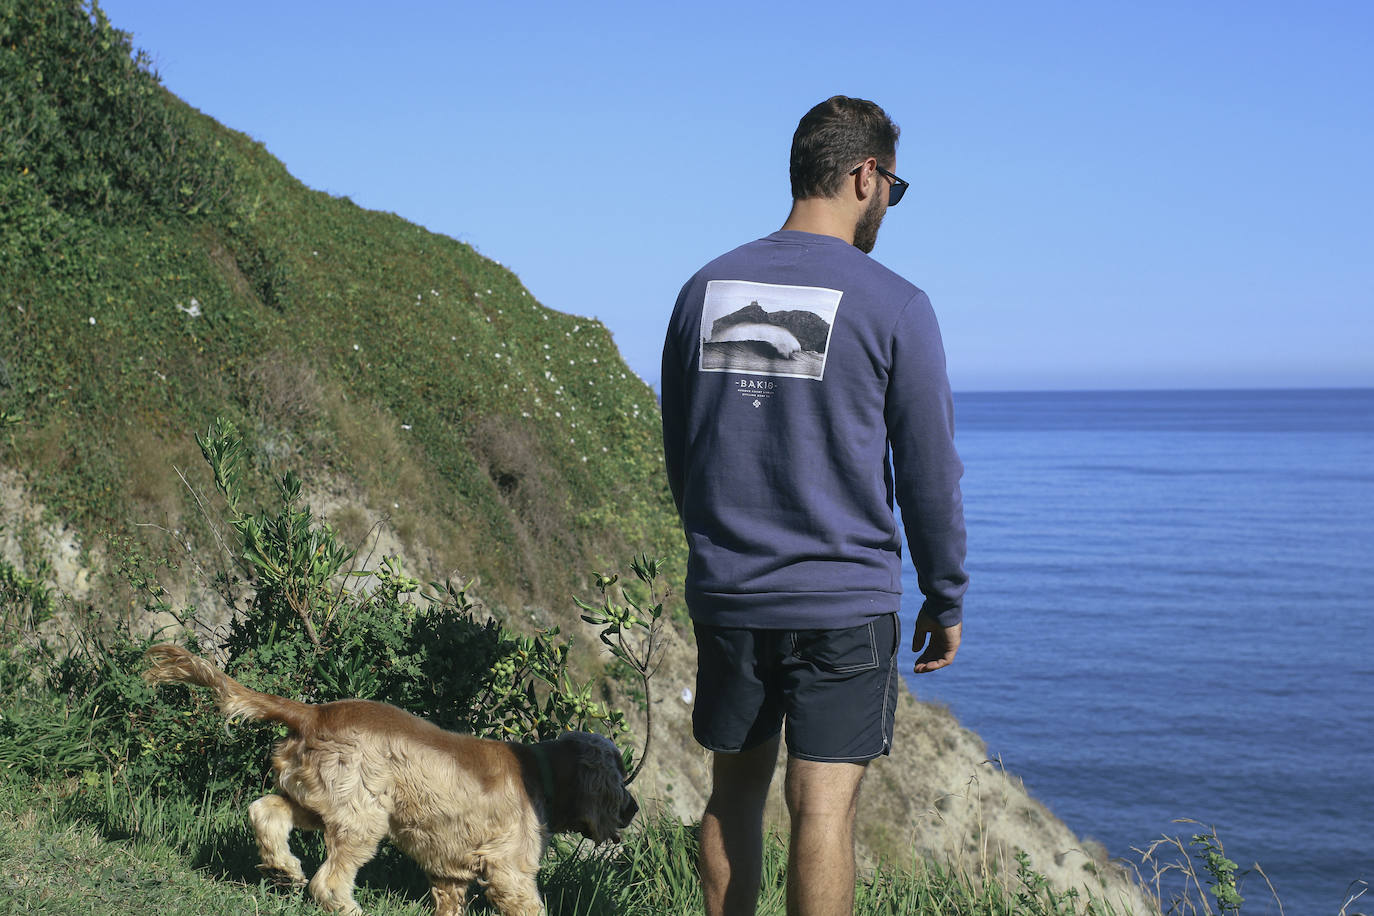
{"x":791,"y":364}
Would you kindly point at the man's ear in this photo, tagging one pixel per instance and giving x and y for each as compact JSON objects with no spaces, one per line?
{"x":865,"y":184}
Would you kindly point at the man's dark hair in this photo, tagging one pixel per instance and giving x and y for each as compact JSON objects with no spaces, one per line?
{"x":835,"y":136}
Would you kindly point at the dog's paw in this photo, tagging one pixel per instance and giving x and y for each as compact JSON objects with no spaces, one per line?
{"x":282,"y":878}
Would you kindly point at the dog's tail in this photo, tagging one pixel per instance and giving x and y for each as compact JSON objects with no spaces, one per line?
{"x":170,"y":663}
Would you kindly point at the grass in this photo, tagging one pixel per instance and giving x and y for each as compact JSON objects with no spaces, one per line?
{"x":55,"y":865}
{"x":92,"y":846}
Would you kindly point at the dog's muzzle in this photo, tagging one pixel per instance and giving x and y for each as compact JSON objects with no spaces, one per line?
{"x":627,"y":813}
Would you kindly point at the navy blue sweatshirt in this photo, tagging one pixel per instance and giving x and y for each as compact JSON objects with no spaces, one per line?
{"x":790,"y":366}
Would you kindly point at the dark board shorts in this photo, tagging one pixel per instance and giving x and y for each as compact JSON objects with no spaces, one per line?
{"x":836,"y":690}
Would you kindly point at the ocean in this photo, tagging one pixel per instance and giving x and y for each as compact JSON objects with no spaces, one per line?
{"x":1170,"y":617}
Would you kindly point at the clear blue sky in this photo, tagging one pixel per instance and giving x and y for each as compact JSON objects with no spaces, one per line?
{"x":1104,"y":195}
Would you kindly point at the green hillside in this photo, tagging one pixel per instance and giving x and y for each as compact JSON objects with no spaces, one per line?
{"x":158,"y":270}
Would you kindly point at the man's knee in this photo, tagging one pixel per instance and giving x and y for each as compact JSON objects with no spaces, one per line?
{"x":823,"y":789}
{"x":745,"y":771}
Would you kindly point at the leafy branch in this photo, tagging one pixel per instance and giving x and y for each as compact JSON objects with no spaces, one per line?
{"x":632,"y":631}
{"x":290,"y":555}
{"x":1222,"y":870}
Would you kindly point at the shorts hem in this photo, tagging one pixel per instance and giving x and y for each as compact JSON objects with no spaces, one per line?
{"x":736,"y":750}
{"x":814,"y":758}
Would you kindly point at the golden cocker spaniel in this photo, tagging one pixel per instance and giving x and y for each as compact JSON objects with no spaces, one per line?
{"x":464,"y":808}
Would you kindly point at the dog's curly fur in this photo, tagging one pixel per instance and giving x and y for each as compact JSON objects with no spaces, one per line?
{"x":464,"y":808}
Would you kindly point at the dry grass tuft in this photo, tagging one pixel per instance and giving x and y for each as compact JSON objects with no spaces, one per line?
{"x":45,"y":448}
{"x":280,"y":390}
{"x":157,"y":493}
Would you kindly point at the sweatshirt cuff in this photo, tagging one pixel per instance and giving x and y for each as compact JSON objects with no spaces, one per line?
{"x":947,"y":617}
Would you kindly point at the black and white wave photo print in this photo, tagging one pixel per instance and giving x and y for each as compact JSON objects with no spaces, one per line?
{"x":767,"y":329}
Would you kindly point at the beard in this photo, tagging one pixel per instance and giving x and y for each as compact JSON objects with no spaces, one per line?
{"x":866,"y":231}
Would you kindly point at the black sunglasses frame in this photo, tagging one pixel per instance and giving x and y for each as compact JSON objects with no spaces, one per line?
{"x":895,"y":190}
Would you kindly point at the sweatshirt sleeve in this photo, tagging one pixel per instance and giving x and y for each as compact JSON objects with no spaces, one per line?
{"x":926,"y":468}
{"x":673,"y":407}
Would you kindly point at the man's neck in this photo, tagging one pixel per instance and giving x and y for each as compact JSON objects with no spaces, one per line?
{"x":820,"y":216}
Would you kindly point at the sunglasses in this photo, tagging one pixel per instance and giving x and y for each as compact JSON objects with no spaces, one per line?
{"x":895,"y":190}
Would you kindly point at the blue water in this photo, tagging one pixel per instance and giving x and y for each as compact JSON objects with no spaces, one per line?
{"x":1170,"y":617}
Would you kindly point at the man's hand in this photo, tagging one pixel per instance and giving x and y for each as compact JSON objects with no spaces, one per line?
{"x":939,"y":652}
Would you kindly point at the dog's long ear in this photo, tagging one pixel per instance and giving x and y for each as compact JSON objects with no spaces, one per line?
{"x":563,"y":806}
{"x":599,"y":798}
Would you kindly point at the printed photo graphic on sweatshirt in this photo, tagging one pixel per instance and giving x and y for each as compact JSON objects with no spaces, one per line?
{"x":767,"y":329}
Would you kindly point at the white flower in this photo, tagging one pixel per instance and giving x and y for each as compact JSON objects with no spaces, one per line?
{"x":355,"y":347}
{"x":92,"y":320}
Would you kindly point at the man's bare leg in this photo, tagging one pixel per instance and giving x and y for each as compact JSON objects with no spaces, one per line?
{"x":732,"y":829}
{"x":822,"y":799}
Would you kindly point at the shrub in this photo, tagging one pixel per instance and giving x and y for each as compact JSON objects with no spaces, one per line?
{"x":308,"y":635}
